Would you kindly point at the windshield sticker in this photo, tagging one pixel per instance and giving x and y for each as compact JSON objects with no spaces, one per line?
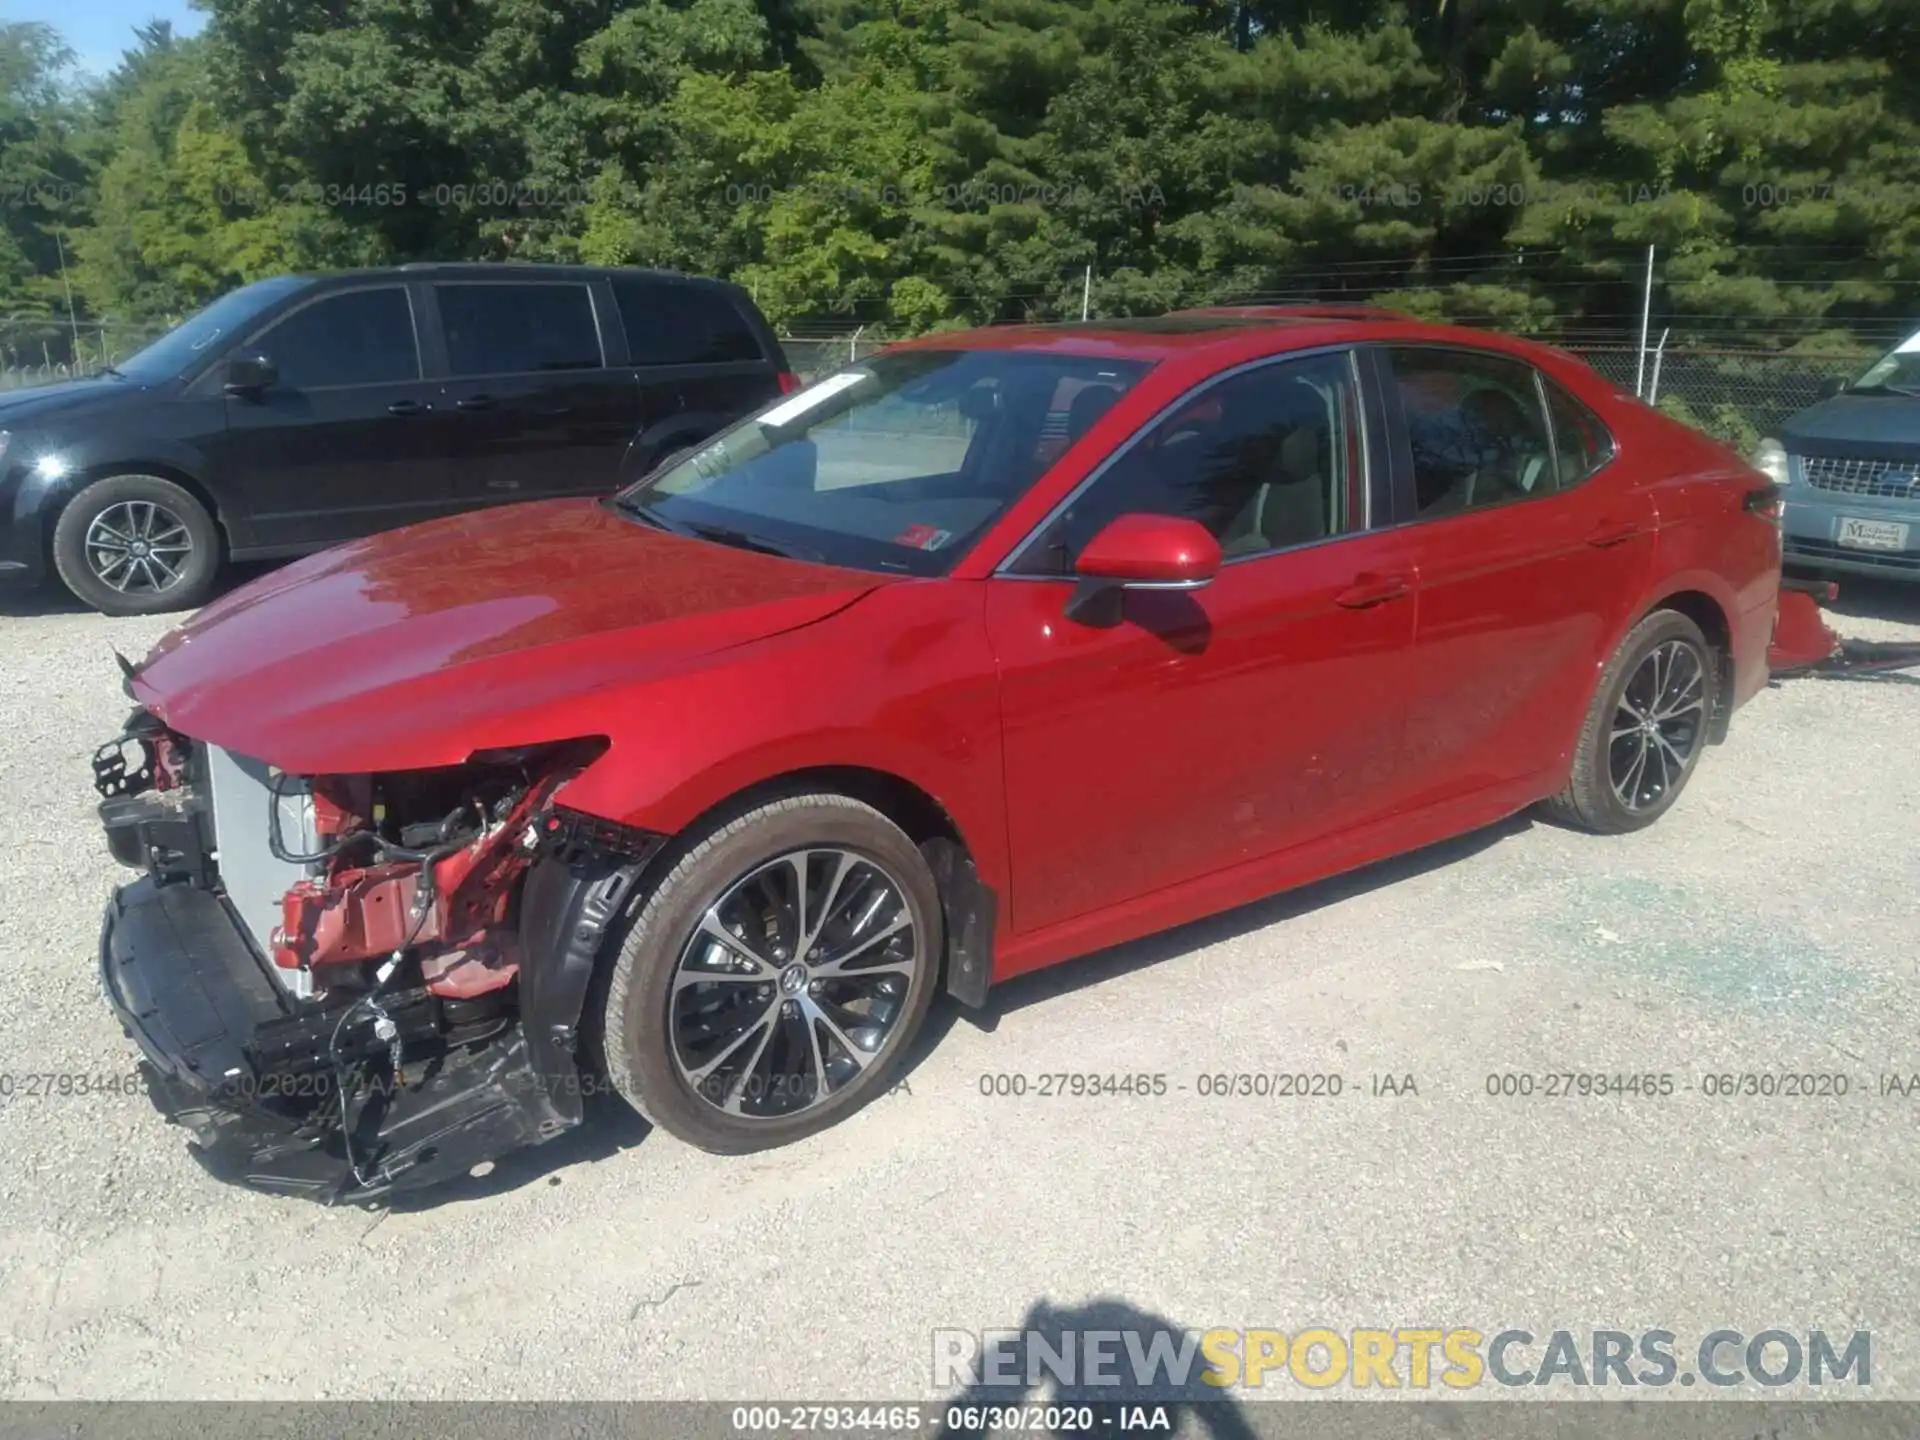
{"x":923,"y":537}
{"x":813,"y":396}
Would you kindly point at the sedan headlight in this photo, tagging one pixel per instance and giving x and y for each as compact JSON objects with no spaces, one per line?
{"x":1770,"y":459}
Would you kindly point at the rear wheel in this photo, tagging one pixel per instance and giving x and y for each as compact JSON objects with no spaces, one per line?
{"x":1645,"y":729}
{"x":136,"y":545}
{"x":773,"y":981}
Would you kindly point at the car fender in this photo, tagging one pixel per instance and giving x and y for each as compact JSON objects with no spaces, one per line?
{"x":43,"y":495}
{"x":902,"y":685}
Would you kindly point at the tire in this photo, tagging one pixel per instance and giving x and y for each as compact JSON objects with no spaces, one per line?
{"x":723,"y":1064}
{"x":1605,"y":793}
{"x":98,"y":540}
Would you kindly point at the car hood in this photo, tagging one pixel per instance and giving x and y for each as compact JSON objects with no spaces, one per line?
{"x":1873,"y":426}
{"x":504,"y":627}
{"x":44,"y":401}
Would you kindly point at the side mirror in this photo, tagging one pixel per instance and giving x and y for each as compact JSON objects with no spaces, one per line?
{"x":1831,"y":386}
{"x":1140,"y":552}
{"x":250,"y":374}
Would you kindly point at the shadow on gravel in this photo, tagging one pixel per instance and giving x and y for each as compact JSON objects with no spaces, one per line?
{"x":609,"y":1128}
{"x":1110,"y":964}
{"x":1192,"y":1408}
{"x":53,"y":598}
{"x":24,"y":604}
{"x":1874,"y":599}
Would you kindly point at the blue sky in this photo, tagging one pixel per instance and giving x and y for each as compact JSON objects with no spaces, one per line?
{"x":98,"y":30}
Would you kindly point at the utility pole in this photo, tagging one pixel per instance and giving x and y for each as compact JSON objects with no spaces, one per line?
{"x":1086,"y":293}
{"x":73,"y":322}
{"x":1646,"y":314}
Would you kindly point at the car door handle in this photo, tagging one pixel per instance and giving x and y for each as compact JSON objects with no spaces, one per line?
{"x":1369,"y":589}
{"x":1612,"y":532}
{"x":408,"y":407}
{"x":474,"y":402}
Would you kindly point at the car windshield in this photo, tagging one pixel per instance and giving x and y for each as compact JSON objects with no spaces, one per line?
{"x":1897,"y":371}
{"x":898,"y":463}
{"x":211,"y":327}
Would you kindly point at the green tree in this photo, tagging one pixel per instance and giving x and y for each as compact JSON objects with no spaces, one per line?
{"x":44,"y":180}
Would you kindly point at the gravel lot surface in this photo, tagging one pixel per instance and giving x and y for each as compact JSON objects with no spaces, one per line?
{"x":1768,"y":924}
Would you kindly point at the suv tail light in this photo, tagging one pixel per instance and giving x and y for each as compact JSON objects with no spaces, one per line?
{"x":789,"y":382}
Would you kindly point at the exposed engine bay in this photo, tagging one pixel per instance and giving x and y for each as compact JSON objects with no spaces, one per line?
{"x":330,"y":975}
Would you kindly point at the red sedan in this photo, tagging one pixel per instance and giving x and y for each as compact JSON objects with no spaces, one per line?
{"x":984,"y":653}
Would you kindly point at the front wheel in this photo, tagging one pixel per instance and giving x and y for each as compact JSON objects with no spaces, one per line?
{"x":774,"y":979}
{"x":1645,"y":729}
{"x":136,"y":545}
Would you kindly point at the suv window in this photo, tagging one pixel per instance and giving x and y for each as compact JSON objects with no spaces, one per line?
{"x":669,"y":324}
{"x":1478,"y":434}
{"x":1581,"y":444}
{"x":1265,"y":460}
{"x":362,"y":337}
{"x":508,"y":329}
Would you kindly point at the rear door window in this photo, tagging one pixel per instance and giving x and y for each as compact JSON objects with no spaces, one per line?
{"x":674,"y":324}
{"x":495,"y":328}
{"x":1476,"y":429}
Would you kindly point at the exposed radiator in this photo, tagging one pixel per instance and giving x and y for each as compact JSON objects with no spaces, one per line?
{"x":253,"y":878}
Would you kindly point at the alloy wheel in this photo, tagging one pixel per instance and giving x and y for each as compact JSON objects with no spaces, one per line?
{"x":793,"y":982}
{"x":1658,"y":725}
{"x":138,"y":547}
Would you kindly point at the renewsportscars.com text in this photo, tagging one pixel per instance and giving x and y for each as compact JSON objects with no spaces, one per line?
{"x":1416,"y":1358}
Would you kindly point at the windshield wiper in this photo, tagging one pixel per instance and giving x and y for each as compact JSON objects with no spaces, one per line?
{"x":647,"y":517}
{"x":741,"y":540}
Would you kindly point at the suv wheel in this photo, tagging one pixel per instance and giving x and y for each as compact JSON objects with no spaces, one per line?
{"x":136,"y":545}
{"x":773,"y":981}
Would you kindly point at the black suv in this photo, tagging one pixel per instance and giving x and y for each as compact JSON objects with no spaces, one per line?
{"x":305,"y":410}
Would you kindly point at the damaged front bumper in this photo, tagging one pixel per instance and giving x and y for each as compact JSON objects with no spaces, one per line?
{"x":351,"y":1094}
{"x":190,"y":991}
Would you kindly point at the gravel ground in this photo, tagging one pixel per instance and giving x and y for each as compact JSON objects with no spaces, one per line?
{"x":1767,"y":924}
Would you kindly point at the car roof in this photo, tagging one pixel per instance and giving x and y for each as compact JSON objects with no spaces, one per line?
{"x":1234,"y":332}
{"x":512,"y":270}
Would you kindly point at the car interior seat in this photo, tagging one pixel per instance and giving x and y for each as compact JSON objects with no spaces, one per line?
{"x":1512,"y":456}
{"x":1291,"y":504}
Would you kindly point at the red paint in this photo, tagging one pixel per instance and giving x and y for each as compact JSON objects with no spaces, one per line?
{"x":1152,"y":549}
{"x":1801,"y":637}
{"x":1298,"y":715}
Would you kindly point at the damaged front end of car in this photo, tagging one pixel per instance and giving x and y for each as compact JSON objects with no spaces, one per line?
{"x":346,"y":986}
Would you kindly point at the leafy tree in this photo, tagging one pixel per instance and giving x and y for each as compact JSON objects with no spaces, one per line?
{"x":43,"y":178}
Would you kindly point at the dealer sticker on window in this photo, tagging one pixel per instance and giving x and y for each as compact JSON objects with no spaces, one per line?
{"x":923,"y":537}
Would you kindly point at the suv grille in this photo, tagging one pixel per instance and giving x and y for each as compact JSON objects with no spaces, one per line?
{"x":1893,"y":479}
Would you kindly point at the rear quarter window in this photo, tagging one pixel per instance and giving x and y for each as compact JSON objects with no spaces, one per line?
{"x":669,"y":324}
{"x":1581,"y":443}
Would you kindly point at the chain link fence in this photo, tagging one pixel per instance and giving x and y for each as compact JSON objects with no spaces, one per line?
{"x":810,"y":356}
{"x":1736,"y":396}
{"x":46,"y":351}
